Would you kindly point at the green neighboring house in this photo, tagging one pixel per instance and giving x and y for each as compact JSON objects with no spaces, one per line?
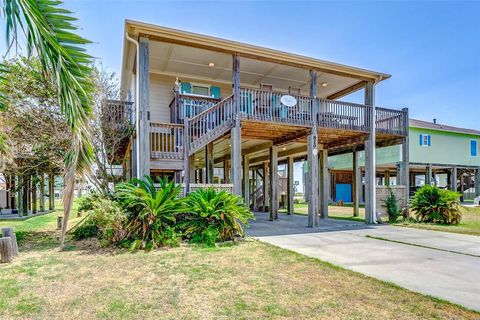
{"x":438,"y":154}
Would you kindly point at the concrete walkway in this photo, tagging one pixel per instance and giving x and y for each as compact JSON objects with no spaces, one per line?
{"x":440,"y":264}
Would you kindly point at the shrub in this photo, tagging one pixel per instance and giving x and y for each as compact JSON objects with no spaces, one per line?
{"x":214,"y":216}
{"x":432,"y":204}
{"x":87,"y":202}
{"x":104,"y":220}
{"x":391,"y":206}
{"x":151,"y":212}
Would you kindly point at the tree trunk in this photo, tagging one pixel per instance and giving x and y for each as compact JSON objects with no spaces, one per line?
{"x":6,"y":250}
{"x":42,"y":192}
{"x":7,"y":232}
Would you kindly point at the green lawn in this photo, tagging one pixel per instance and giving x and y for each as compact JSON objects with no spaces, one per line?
{"x":247,"y":280}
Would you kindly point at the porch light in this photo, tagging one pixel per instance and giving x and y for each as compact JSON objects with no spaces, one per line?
{"x":284,"y":148}
{"x":324,"y":84}
{"x":211,"y":64}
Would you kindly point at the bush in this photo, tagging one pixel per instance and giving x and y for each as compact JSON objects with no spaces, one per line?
{"x":104,"y":220}
{"x":151,"y":212}
{"x":432,"y":204}
{"x":87,"y":202}
{"x":391,"y":206}
{"x":214,"y":216}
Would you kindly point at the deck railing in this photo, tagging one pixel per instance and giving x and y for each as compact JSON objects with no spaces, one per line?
{"x":166,"y":141}
{"x":264,"y":105}
{"x":343,"y":115}
{"x":391,"y":121}
{"x":190,"y":105}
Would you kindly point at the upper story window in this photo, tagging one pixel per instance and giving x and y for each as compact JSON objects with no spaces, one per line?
{"x":473,"y":148}
{"x":425,"y":140}
{"x":201,"y":90}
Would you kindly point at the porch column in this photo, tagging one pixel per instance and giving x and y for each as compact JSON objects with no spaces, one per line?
{"x":266,"y":186}
{"x":226,"y":171}
{"x":405,"y":172}
{"x":324,"y":185}
{"x":370,"y":164}
{"x":386,"y":175}
{"x":143,"y":129}
{"x":25,"y":195}
{"x":20,"y":194}
{"x":236,"y":135}
{"x":312,"y":157}
{"x":274,"y":183}
{"x":51,"y":191}
{"x":246,"y":180}
{"x":254,"y":189}
{"x":209,"y":162}
{"x":42,"y":192}
{"x":477,"y":182}
{"x":290,"y":187}
{"x":33,"y":191}
{"x":428,"y":174}
{"x":356,"y":183}
{"x":191,"y":167}
{"x":453,"y":179}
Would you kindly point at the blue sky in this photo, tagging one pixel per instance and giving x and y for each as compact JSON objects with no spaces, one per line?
{"x":431,"y":49}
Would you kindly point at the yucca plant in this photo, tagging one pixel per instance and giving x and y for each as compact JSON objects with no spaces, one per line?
{"x":214,"y":216}
{"x":151,"y":210}
{"x":432,"y":204}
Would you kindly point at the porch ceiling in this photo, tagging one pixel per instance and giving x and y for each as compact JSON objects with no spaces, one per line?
{"x":190,"y":62}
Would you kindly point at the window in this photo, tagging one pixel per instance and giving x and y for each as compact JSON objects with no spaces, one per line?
{"x":201,"y":90}
{"x":425,"y":140}
{"x":473,"y":148}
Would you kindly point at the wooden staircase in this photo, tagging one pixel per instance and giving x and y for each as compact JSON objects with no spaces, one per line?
{"x":210,"y":124}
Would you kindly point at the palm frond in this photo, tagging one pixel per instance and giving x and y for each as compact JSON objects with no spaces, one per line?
{"x":49,"y":33}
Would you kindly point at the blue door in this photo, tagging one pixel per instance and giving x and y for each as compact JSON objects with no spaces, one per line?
{"x":343,"y":191}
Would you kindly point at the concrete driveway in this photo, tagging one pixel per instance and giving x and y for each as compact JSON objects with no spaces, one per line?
{"x":440,"y":264}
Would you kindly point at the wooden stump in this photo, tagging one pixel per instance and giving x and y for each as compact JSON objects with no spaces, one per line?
{"x":59,"y":223}
{"x":6,"y":250}
{"x":8,"y":233}
{"x":79,"y":214}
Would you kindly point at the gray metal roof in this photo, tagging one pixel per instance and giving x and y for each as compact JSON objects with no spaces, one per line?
{"x":437,"y":126}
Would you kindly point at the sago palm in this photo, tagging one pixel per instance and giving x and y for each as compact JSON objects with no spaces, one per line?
{"x":151,"y":209}
{"x":223,"y":211}
{"x":47,"y":31}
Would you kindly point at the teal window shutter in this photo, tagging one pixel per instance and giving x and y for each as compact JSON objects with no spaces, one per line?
{"x":473,"y":148}
{"x":215,"y":92}
{"x":429,"y":144}
{"x":421,"y":139}
{"x":186,"y":87}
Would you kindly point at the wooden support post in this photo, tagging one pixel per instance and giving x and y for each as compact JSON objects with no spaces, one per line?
{"x":246,"y":180}
{"x":406,"y":157}
{"x":477,"y":182}
{"x":33,"y":190}
{"x":453,"y":179}
{"x":290,"y":187}
{"x":428,"y":174}
{"x":51,"y":191}
{"x":236,"y":135}
{"x":313,"y":192}
{"x":370,"y":164}
{"x":254,"y":189}
{"x":42,"y":192}
{"x":209,"y":162}
{"x":6,"y":250}
{"x":13,"y":204}
{"x":143,"y":101}
{"x":20,"y":195}
{"x":324,"y":186}
{"x":226,"y":171}
{"x":191,"y":166}
{"x":26,"y":195}
{"x":266,"y":186}
{"x":386,"y":175}
{"x":356,"y":184}
{"x":274,"y":182}
{"x":7,"y":232}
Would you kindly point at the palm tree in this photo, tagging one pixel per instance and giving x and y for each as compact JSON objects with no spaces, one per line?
{"x":47,"y":31}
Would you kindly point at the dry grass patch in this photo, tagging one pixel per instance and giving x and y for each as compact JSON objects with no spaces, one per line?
{"x":249,"y":280}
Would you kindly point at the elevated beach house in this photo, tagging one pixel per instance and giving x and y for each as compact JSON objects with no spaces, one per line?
{"x":214,"y":111}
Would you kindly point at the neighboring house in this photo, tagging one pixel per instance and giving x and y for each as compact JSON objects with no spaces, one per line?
{"x":438,"y":154}
{"x":215,"y":111}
